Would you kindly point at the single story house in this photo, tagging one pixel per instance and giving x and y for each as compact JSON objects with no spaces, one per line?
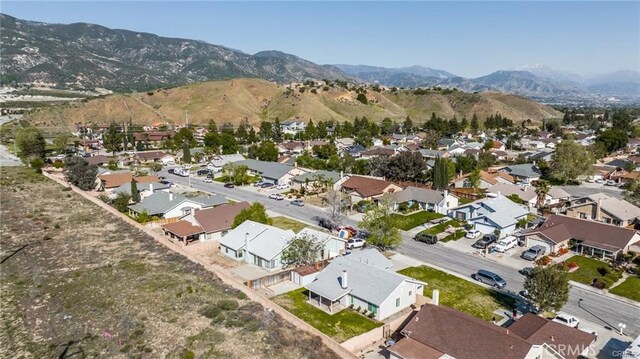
{"x":378,"y":152}
{"x":291,"y":147}
{"x":343,"y":143}
{"x":317,"y":179}
{"x":256,"y":243}
{"x":438,"y":332}
{"x":490,"y":214}
{"x":144,"y":189}
{"x":526,"y":172}
{"x":433,"y":153}
{"x":97,"y":160}
{"x":589,"y":237}
{"x":366,"y":188}
{"x":602,"y":208}
{"x":170,"y":205}
{"x":149,"y":156}
{"x":219,"y":161}
{"x":525,"y":193}
{"x":363,"y":281}
{"x":168,"y":159}
{"x":486,"y":180}
{"x":332,"y":246}
{"x":205,"y":224}
{"x":426,"y":199}
{"x":276,"y":173}
{"x":118,"y":178}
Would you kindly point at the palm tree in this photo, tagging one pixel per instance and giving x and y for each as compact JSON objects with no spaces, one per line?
{"x":542,"y":188}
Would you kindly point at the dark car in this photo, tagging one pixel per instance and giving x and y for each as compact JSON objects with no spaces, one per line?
{"x":267,"y":185}
{"x":171,"y":170}
{"x":490,"y":278}
{"x":485,"y":241}
{"x":203,"y":172}
{"x":426,"y":238}
{"x":526,"y":271}
{"x":533,"y":253}
{"x":362,"y":234}
{"x":229,"y":185}
{"x":326,"y":223}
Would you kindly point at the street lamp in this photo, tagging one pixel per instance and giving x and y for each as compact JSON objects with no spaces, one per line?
{"x":621,"y":326}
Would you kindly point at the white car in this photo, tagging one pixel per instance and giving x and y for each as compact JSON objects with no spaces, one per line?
{"x":282,"y":186}
{"x":566,"y":319}
{"x":276,"y":196}
{"x":355,"y":243}
{"x":207,"y":180}
{"x":506,"y":243}
{"x":589,"y":330}
{"x":473,"y":233}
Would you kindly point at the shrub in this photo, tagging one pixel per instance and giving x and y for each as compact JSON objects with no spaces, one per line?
{"x":371,"y":315}
{"x":228,"y":304}
{"x":543,"y":261}
{"x":188,"y":354}
{"x":210,"y":311}
{"x":58,"y":164}
{"x":572,"y":265}
{"x":362,"y":98}
{"x":603,"y":271}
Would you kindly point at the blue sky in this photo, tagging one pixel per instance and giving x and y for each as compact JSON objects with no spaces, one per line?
{"x":465,"y":38}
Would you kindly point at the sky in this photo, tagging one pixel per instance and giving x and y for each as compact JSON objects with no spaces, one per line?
{"x":465,"y":38}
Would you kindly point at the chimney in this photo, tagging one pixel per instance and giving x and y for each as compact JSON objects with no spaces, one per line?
{"x":341,"y":174}
{"x":498,"y":196}
{"x":151,"y":187}
{"x":599,"y":210}
{"x":246,"y":247}
{"x":170,"y":196}
{"x":435,"y":297}
{"x":343,"y":279}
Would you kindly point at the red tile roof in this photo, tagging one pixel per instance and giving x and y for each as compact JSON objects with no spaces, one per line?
{"x":182,"y":228}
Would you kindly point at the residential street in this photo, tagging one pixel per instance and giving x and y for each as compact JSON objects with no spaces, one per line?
{"x":594,"y":307}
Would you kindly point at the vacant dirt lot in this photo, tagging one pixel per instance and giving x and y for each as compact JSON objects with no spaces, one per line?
{"x":77,"y":282}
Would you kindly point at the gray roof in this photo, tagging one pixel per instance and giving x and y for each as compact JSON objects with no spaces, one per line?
{"x":499,"y":210}
{"x":323,"y":237}
{"x":369,"y":282}
{"x":419,"y":195}
{"x":557,"y":192}
{"x":273,"y":170}
{"x":334,"y":176}
{"x":221,"y":160}
{"x":526,"y":170}
{"x":160,"y":203}
{"x":126,"y":188}
{"x":617,"y":207}
{"x":371,"y":257}
{"x":264,"y":241}
{"x":507,"y":189}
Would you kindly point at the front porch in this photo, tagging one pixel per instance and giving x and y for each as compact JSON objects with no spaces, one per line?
{"x":324,"y":304}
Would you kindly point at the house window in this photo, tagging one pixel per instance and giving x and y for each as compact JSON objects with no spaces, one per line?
{"x":617,"y":222}
{"x":583,"y":215}
{"x":410,"y":292}
{"x":607,"y":220}
{"x":397,"y":302}
{"x":461,"y":216}
{"x":372,"y":308}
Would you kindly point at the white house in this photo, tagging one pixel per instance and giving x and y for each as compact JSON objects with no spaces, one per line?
{"x":363,"y":280}
{"x":220,"y":160}
{"x":170,"y":205}
{"x":332,"y":246}
{"x":426,"y":199}
{"x":256,"y":243}
{"x":525,"y":193}
{"x":490,"y":214}
{"x":273,"y":172}
{"x":168,"y":159}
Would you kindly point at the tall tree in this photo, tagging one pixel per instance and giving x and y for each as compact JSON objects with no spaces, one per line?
{"x":548,"y":287}
{"x":407,"y":125}
{"x":542,"y":188}
{"x":256,"y":212}
{"x":267,"y":151}
{"x":212,"y":127}
{"x":236,"y":173}
{"x":310,"y":131}
{"x":80,"y":173}
{"x":60,"y":142}
{"x":381,"y":226}
{"x":442,"y":173}
{"x":613,"y":139}
{"x":475,"y":125}
{"x":302,"y":250}
{"x":112,"y":138}
{"x":186,"y":153}
{"x":474,"y":178}
{"x":135,"y":195}
{"x":229,"y":144}
{"x":570,"y":161}
{"x":336,"y":203}
{"x":30,"y":143}
{"x":621,"y":120}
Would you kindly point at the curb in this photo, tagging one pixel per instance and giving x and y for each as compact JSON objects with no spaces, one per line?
{"x":604,"y":293}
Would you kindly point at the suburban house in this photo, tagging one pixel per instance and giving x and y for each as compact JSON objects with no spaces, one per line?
{"x":366,"y":188}
{"x":602,"y":208}
{"x":149,"y":156}
{"x":273,"y":172}
{"x":557,"y":195}
{"x":144,"y":189}
{"x":344,"y":143}
{"x":438,"y":332}
{"x":332,"y":246}
{"x":433,"y":153}
{"x":486,"y":180}
{"x":118,"y":178}
{"x":219,"y":161}
{"x":526,"y":193}
{"x":316,"y":179}
{"x":378,"y":152}
{"x":426,"y":199}
{"x":168,"y":159}
{"x":152,"y":138}
{"x":256,"y":243}
{"x":205,"y":224}
{"x":354,"y":150}
{"x":526,"y":172}
{"x":364,"y":280}
{"x":170,"y":205}
{"x":293,"y":127}
{"x":588,"y":237}
{"x":291,"y":147}
{"x":490,"y":214}
{"x":97,"y":160}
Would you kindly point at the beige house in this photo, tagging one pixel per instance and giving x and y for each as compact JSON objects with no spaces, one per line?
{"x":602,"y":208}
{"x":365,"y":188}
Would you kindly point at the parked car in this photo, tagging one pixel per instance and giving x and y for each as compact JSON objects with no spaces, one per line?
{"x":506,"y":243}
{"x":282,"y":186}
{"x":207,"y":180}
{"x":352,"y":231}
{"x":326,"y":223}
{"x":611,"y":183}
{"x":490,"y":278}
{"x":267,"y":185}
{"x":229,"y":185}
{"x":566,"y":319}
{"x":589,"y":330}
{"x":355,"y":243}
{"x":298,"y":202}
{"x":171,"y":170}
{"x":600,"y":180}
{"x":202,"y":172}
{"x":533,"y":253}
{"x":485,"y":241}
{"x":426,"y":238}
{"x":526,"y":271}
{"x":362,"y":234}
{"x":473,"y":233}
{"x":276,"y":196}
{"x":258,"y":184}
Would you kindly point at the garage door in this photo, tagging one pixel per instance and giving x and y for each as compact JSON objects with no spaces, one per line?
{"x":539,"y":242}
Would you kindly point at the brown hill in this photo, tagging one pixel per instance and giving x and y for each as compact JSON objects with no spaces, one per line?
{"x":255,"y":99}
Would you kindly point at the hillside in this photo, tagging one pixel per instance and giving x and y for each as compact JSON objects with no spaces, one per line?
{"x":255,"y":99}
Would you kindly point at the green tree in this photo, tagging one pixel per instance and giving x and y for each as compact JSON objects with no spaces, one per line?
{"x":183,"y":137}
{"x":302,"y":250}
{"x":212,"y":140}
{"x":121,"y":202}
{"x":632,"y":193}
{"x":60,"y":142}
{"x":236,"y":173}
{"x":186,"y":153}
{"x":474,"y":178}
{"x":475,"y":125}
{"x":80,"y":173}
{"x":613,"y":139}
{"x":362,"y":98}
{"x":310,"y":131}
{"x":135,"y":195}
{"x":548,"y":287}
{"x":30,"y":143}
{"x":442,"y":173}
{"x":407,"y":125}
{"x":229,"y":144}
{"x":112,"y":138}
{"x":256,"y":212}
{"x":515,"y":198}
{"x":381,"y":226}
{"x":267,"y":151}
{"x":212,"y":127}
{"x":621,"y":120}
{"x":570,"y":161}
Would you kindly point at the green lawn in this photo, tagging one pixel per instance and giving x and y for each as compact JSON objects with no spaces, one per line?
{"x":462,"y":201}
{"x":443,"y":226}
{"x":339,"y":326}
{"x":454,"y":237}
{"x":459,"y":293}
{"x":288,"y":223}
{"x":407,"y":222}
{"x":225,"y":179}
{"x":630,"y":288}
{"x":590,"y":269}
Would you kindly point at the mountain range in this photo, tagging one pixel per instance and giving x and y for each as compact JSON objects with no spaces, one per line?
{"x":87,"y":56}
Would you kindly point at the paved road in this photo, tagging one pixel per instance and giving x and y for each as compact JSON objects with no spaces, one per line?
{"x":7,"y":159}
{"x":594,"y":307}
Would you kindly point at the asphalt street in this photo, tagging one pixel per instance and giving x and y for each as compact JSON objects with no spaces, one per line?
{"x":583,"y":304}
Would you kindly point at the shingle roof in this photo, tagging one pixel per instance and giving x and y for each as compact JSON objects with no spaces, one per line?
{"x":118,"y":179}
{"x":418,"y":194}
{"x":161,"y":202}
{"x":431,"y":153}
{"x":499,"y":210}
{"x":272,"y":170}
{"x":151,"y":155}
{"x":264,"y":241}
{"x":219,"y":218}
{"x":367,"y":281}
{"x":222,"y":160}
{"x":617,"y":207}
{"x":182,"y":228}
{"x":366,"y":186}
{"x":328,"y":175}
{"x":507,"y":189}
{"x":97,"y":160}
{"x":526,"y":170}
{"x":126,"y":188}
